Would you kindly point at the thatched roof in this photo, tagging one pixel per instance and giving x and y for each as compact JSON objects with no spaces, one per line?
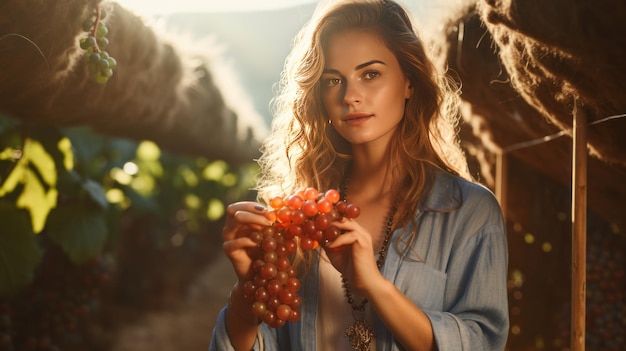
{"x":159,"y":91}
{"x":522,"y":85}
{"x":566,"y":53}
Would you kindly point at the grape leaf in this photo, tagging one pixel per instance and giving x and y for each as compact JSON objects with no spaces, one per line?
{"x":57,"y":145}
{"x":37,"y":200}
{"x":42,"y":161}
{"x":141,"y":203}
{"x":15,"y":177}
{"x":79,"y":230}
{"x":19,"y":252}
{"x":96,"y":193}
{"x":87,"y":146}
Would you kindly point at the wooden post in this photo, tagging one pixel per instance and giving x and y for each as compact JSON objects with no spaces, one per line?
{"x":501,"y":180}
{"x":579,"y":228}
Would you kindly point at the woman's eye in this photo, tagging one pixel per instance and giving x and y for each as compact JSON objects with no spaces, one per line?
{"x":331,"y":82}
{"x":371,"y":75}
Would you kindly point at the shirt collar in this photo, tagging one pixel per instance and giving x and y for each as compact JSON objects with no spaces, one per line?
{"x":444,"y":195}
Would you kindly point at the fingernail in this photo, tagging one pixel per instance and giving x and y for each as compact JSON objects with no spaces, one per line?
{"x":259,"y":208}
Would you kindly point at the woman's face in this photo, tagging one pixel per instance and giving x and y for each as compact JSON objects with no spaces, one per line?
{"x":363,"y":88}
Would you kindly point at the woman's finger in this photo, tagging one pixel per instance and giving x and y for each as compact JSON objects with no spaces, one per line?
{"x":235,"y":245}
{"x":243,"y":223}
{"x":344,"y":239}
{"x":237,"y":252}
{"x":242,"y":215}
{"x":249,"y":206}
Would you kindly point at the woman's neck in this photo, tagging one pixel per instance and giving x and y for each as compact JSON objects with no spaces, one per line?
{"x":372,"y":178}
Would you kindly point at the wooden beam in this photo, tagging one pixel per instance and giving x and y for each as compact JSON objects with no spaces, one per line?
{"x":579,"y":228}
{"x":501,"y":180}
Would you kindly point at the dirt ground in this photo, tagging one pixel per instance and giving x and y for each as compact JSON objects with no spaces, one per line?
{"x":187,"y":326}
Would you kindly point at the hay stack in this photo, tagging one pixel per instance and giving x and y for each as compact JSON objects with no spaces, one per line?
{"x":158,"y":91}
{"x":563,"y":53}
{"x":498,"y":118}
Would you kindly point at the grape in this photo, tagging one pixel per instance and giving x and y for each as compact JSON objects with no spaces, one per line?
{"x":274,"y":287}
{"x":284,"y":215}
{"x":331,"y":233}
{"x":261,"y":294}
{"x":290,"y":246}
{"x":282,"y":263}
{"x":303,"y":220}
{"x":272,"y":303}
{"x":322,"y":222}
{"x":310,"y":194}
{"x":269,"y":270}
{"x":259,"y":280}
{"x":294,"y":202}
{"x":309,"y":208}
{"x":294,"y":230}
{"x":99,"y":63}
{"x":307,"y":243}
{"x":293,"y":284}
{"x":259,"y":308}
{"x":295,"y":315}
{"x":282,"y":251}
{"x":276,"y":203}
{"x":318,"y":236}
{"x":341,"y":207}
{"x":282,"y":276}
{"x":286,"y":296}
{"x":283,"y":312}
{"x":298,"y":217}
{"x":308,"y":227}
{"x":332,"y":195}
{"x":269,"y":317}
{"x":270,"y":257}
{"x":352,"y":211}
{"x":256,"y":236}
{"x":324,"y":205}
{"x":269,"y":244}
{"x":297,"y":301}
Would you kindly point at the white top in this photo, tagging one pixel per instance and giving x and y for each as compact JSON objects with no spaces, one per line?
{"x":334,"y":311}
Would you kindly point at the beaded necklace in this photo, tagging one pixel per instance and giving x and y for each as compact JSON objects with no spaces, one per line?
{"x":359,"y":333}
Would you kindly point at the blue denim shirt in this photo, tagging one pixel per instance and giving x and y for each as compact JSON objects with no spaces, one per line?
{"x":456,"y":274}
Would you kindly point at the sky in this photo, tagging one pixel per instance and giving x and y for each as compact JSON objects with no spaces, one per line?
{"x":164,"y":7}
{"x":168,"y":7}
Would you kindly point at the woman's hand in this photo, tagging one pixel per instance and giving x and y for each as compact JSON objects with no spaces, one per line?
{"x":242,"y":218}
{"x":352,"y":254}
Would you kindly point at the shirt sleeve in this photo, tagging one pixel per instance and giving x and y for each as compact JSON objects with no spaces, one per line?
{"x":221,"y":342}
{"x":475,"y":315}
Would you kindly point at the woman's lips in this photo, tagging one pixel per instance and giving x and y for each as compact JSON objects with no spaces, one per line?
{"x":356,"y":118}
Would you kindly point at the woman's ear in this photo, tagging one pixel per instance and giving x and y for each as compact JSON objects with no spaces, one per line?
{"x":408,"y":91}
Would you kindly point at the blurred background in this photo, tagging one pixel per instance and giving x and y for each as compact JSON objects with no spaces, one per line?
{"x":113,"y":184}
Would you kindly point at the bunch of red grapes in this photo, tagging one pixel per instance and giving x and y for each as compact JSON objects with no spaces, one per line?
{"x":304,"y":220}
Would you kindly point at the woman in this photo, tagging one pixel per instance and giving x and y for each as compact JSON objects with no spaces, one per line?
{"x":362,"y":109}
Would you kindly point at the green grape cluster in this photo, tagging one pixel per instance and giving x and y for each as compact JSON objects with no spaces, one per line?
{"x":98,"y":61}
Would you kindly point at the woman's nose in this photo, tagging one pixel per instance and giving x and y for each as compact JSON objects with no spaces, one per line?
{"x":352,"y":94}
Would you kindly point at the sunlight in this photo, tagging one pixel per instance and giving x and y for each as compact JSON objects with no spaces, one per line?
{"x":165,"y":7}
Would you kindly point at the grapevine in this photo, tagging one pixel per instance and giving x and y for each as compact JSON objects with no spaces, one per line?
{"x":98,"y":61}
{"x":303,"y":219}
{"x":54,"y":312}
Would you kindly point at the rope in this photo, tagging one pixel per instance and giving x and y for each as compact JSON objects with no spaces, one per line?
{"x":547,"y":138}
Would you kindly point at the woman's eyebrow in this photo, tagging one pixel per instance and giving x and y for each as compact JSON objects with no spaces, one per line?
{"x":361,"y":66}
{"x":368,"y":63}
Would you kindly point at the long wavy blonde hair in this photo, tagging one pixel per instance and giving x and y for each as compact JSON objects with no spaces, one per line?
{"x":300,"y":152}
